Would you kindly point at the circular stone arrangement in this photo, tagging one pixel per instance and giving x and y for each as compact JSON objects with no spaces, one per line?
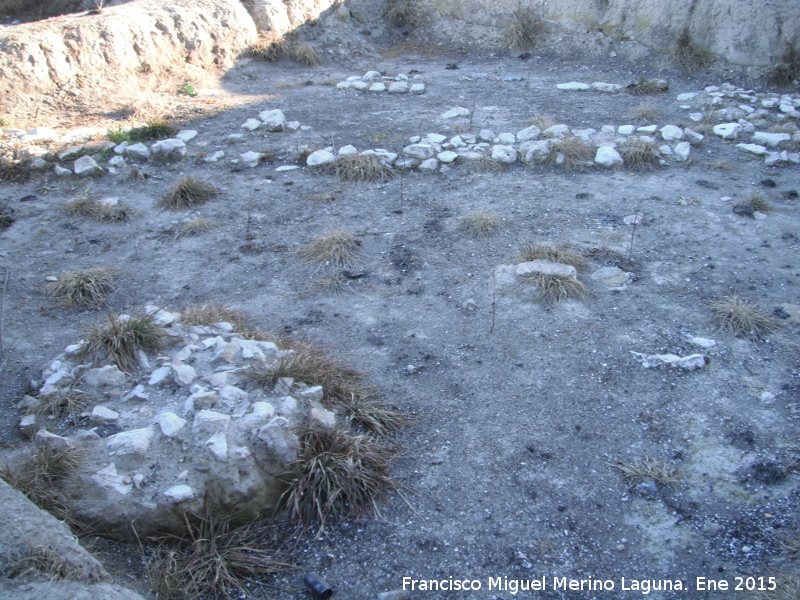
{"x":185,"y":423}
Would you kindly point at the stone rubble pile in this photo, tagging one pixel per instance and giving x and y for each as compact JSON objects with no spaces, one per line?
{"x":375,"y":82}
{"x":435,"y":152}
{"x":739,"y":113}
{"x":188,"y":421}
{"x":763,"y":124}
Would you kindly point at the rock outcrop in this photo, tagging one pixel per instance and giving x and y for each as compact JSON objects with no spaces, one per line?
{"x":120,"y":44}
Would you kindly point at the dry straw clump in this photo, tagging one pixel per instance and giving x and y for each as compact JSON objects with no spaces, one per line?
{"x":37,"y":474}
{"x":525,"y":29}
{"x":335,"y":284}
{"x":640,"y":155}
{"x":207,"y":314}
{"x":645,"y":87}
{"x":88,"y":204}
{"x":196,"y":226}
{"x":121,"y":336}
{"x":645,"y":114}
{"x":215,"y":559}
{"x":358,"y":167}
{"x":689,"y":56}
{"x":481,"y":224}
{"x":787,"y":588}
{"x":82,"y":288}
{"x":571,"y":153}
{"x":337,"y":474}
{"x":405,"y":13}
{"x":154,"y":129}
{"x":344,"y":387}
{"x":556,"y":288}
{"x":542,"y":121}
{"x":645,"y":468}
{"x":188,"y":192}
{"x":740,"y":317}
{"x":64,"y":403}
{"x":559,"y":254}
{"x":785,"y":73}
{"x":6,"y":218}
{"x":337,"y":248}
{"x":289,"y":47}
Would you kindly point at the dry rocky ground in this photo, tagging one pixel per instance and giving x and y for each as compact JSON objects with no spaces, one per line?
{"x":521,"y":407}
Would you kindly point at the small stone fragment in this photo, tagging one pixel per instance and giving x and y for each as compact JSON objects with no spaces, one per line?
{"x":170,"y":423}
{"x":135,"y":441}
{"x":179,"y":493}
{"x":102,"y":415}
{"x":611,"y":276}
{"x":109,"y":375}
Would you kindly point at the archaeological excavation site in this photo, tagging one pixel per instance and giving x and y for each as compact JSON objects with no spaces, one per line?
{"x":399,"y":299}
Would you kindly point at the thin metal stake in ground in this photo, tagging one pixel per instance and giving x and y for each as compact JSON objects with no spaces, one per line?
{"x":472,"y":114}
{"x":248,"y":235}
{"x":494,"y":297}
{"x":403,"y":168}
{"x":3,"y":314}
{"x":633,"y":232}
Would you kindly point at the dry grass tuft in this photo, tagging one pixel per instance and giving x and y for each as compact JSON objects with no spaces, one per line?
{"x":641,"y":469}
{"x":689,"y":56}
{"x":337,"y":248}
{"x":787,"y":588}
{"x":188,"y":192}
{"x":87,"y":204}
{"x":289,"y":47}
{"x":208,"y":314}
{"x":558,"y":254}
{"x":645,"y":87}
{"x":37,"y":474}
{"x":372,"y":414}
{"x":525,"y":29}
{"x":43,"y":562}
{"x":121,"y":336}
{"x":6,"y":220}
{"x":555,"y":288}
{"x":337,"y":474}
{"x":82,"y":288}
{"x":758,"y":202}
{"x":405,"y":13}
{"x":344,"y":388}
{"x":645,"y":114}
{"x":196,"y":226}
{"x":543,"y":121}
{"x":15,"y":171}
{"x":576,"y":153}
{"x":65,"y":403}
{"x":304,"y":53}
{"x":486,"y":164}
{"x":736,"y":315}
{"x":155,"y":129}
{"x":214,"y":559}
{"x":335,"y":284}
{"x":481,"y":224}
{"x":135,"y":174}
{"x":266,"y":50}
{"x":313,"y":365}
{"x":640,"y":155}
{"x":358,"y":167}
{"x":784,"y":74}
